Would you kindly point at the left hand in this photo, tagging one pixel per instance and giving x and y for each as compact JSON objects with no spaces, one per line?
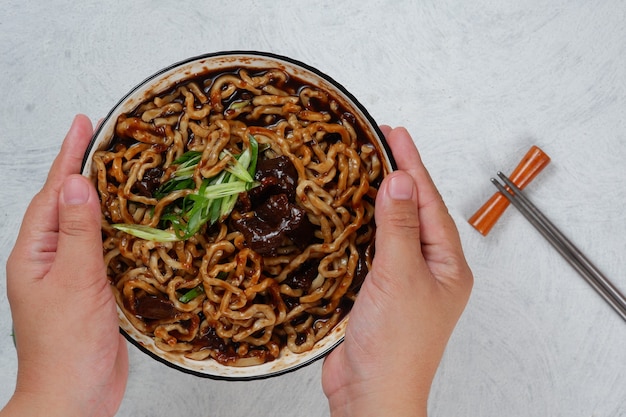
{"x":71,"y":358}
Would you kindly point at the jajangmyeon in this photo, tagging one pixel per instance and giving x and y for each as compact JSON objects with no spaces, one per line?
{"x":238,"y":215}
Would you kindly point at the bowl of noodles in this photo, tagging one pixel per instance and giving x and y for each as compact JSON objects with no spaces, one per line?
{"x":237,"y":193}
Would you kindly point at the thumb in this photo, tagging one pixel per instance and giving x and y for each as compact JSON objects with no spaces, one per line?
{"x":398,"y":246}
{"x":79,"y":247}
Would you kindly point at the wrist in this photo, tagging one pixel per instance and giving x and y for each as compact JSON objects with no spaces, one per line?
{"x":37,"y":404}
{"x":382,"y":402}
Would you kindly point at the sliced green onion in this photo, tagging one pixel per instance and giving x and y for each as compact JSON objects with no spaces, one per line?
{"x":236,"y":105}
{"x":191,"y":294}
{"x":184,"y":159}
{"x":215,"y":211}
{"x":187,"y":164}
{"x":227,"y":204}
{"x":254,"y":155}
{"x":147,"y":232}
{"x":213,"y":201}
{"x":224,"y":190}
{"x":175,"y":184}
{"x":238,"y":165}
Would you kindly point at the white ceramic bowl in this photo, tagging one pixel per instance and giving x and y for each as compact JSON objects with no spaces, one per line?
{"x":162,"y":81}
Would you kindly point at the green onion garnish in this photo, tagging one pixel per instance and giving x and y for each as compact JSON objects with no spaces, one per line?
{"x":212,"y":202}
{"x":147,"y":233}
{"x":191,"y":294}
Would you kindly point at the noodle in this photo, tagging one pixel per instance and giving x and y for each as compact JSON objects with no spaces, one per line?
{"x":283,"y":267}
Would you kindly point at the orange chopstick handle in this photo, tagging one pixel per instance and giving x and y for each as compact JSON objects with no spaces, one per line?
{"x":486,"y":217}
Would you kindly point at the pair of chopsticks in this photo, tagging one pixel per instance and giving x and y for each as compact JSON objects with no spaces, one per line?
{"x":563,"y":245}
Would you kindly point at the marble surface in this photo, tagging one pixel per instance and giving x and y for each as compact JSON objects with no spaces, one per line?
{"x":477,"y":83}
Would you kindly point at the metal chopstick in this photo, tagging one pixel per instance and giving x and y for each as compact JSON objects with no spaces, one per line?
{"x":563,"y":245}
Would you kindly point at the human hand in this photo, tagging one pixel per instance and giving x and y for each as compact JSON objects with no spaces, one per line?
{"x":409,"y":303}
{"x":72,"y":361}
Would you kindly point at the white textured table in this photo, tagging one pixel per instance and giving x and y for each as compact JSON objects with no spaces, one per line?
{"x":476,"y":83}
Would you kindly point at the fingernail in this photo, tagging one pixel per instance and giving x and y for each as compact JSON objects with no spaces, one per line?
{"x":75,"y":191}
{"x":401,"y":187}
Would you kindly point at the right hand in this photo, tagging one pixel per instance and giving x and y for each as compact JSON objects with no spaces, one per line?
{"x":409,"y":303}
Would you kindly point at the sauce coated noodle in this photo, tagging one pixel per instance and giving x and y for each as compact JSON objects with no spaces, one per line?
{"x":261,"y":282}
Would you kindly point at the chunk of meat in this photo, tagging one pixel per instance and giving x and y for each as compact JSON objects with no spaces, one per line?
{"x":274,"y":224}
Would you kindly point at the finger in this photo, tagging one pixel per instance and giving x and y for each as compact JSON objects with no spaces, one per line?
{"x":398,"y":227}
{"x":441,"y":245}
{"x":43,"y":208}
{"x":79,"y":251}
{"x":385,"y":129}
{"x":408,"y":159}
{"x":437,"y":227}
{"x":70,"y":158}
{"x":37,"y":240}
